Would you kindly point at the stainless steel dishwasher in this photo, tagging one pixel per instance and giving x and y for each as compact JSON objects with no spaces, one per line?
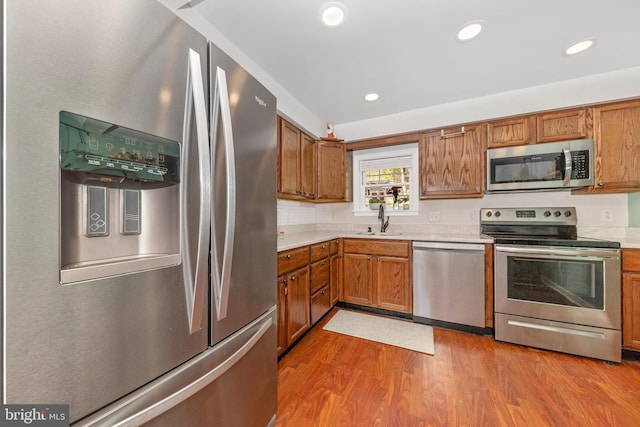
{"x":448,"y":283}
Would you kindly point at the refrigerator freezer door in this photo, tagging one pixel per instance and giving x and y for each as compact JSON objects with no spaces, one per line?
{"x":245,"y":278}
{"x":203,"y":391}
{"x":88,"y":343}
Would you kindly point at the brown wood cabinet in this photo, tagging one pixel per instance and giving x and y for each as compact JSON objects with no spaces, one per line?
{"x":331,"y":182}
{"x":631,"y":299}
{"x":309,"y":170}
{"x":293,"y":296}
{"x":335,"y":258}
{"x":513,"y":131}
{"x":564,"y":125}
{"x":617,"y":147}
{"x":296,"y":162}
{"x":377,"y":273}
{"x":452,"y":163}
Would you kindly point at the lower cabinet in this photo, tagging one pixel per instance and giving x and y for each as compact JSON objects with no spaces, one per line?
{"x":377,"y":273}
{"x":307,"y":288}
{"x":631,"y":299}
{"x":293,"y":304}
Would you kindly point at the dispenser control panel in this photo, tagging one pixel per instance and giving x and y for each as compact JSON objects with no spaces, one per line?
{"x":100,"y":148}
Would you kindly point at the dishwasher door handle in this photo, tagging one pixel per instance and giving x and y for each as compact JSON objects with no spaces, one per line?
{"x":449,"y":246}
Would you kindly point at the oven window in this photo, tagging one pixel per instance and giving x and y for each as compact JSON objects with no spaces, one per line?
{"x":576,"y":283}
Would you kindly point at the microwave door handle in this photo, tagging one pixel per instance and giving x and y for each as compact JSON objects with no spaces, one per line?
{"x":568,"y":165}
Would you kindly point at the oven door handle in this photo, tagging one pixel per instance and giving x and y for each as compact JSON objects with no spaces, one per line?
{"x":568,"y":167}
{"x":560,"y":252}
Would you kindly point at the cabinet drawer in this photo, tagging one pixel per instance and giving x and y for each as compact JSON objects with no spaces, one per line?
{"x":631,"y":259}
{"x":377,"y":247}
{"x":320,"y":304}
{"x":293,"y":259}
{"x":319,"y":274}
{"x":319,"y":251}
{"x":334,"y":246}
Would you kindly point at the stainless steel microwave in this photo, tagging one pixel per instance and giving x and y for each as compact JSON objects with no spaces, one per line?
{"x":557,"y":165}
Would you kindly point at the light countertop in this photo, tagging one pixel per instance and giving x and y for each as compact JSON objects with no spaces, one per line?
{"x":294,"y":240}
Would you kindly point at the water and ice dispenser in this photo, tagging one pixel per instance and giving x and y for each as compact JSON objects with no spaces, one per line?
{"x":120,"y":198}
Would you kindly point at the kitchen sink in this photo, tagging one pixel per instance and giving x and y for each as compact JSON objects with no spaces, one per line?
{"x":368,"y":233}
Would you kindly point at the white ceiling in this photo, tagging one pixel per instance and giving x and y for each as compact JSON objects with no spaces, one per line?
{"x":407,"y":51}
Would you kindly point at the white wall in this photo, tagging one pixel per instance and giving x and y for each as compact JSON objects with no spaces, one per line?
{"x":611,"y":86}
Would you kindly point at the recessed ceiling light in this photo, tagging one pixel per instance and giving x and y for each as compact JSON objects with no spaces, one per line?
{"x":371,"y":97}
{"x":469,"y":31}
{"x":580,"y":46}
{"x":333,"y":14}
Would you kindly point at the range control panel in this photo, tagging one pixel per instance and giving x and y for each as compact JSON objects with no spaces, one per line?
{"x":543,"y":215}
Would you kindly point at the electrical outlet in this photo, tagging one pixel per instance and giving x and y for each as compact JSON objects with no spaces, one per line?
{"x":434,"y":216}
{"x":606,"y":215}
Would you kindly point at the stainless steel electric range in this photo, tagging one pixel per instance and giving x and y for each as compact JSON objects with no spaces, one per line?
{"x":554,"y":289}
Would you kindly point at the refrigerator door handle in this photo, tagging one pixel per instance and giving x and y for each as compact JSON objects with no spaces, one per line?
{"x":195,"y":266}
{"x":221,"y":125}
{"x":189,"y":390}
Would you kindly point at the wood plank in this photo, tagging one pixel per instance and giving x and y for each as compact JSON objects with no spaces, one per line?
{"x":329,"y":379}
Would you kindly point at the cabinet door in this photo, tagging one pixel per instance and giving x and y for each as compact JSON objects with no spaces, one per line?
{"x":282,"y":314}
{"x":298,"y":319}
{"x":518,"y":131}
{"x":451,"y":165}
{"x":617,"y":146}
{"x":320,"y":304}
{"x":308,"y":167}
{"x":356,"y":279}
{"x":331,"y":170}
{"x":336,"y":274}
{"x":564,"y":125}
{"x":631,"y":311}
{"x":288,"y":159}
{"x":393,"y":283}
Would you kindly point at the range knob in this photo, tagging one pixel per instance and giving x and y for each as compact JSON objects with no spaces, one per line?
{"x":567,"y":213}
{"x":557,"y":213}
{"x":547,"y":213}
{"x":489,"y":214}
{"x":497,"y":214}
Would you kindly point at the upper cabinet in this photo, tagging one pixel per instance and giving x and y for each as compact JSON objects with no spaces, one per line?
{"x":617,"y":146}
{"x":309,"y":170}
{"x":331,"y":156}
{"x":296,"y":162}
{"x":564,"y":125}
{"x":547,"y":127}
{"x":517,"y":131}
{"x":451,"y":163}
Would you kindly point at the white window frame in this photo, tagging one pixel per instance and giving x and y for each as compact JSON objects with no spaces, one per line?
{"x":404,"y":150}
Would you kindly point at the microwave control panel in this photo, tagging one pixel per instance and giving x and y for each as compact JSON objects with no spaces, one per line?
{"x":580,"y":164}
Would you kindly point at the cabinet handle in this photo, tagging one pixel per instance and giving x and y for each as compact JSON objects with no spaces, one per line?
{"x":288,"y":256}
{"x":284,"y":282}
{"x":447,"y":135}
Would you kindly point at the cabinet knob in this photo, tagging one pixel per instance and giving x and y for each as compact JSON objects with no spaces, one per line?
{"x":322,"y":263}
{"x":292,"y":278}
{"x":601,"y":184}
{"x":378,"y":258}
{"x":288,"y":256}
{"x":323,"y":246}
{"x":368,"y":256}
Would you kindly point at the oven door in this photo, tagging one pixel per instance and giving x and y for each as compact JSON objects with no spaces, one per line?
{"x":572,"y":285}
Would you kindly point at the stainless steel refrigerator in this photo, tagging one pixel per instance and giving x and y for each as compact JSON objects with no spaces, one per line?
{"x":138,"y":219}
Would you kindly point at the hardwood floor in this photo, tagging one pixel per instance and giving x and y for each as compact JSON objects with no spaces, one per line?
{"x":329,"y":379}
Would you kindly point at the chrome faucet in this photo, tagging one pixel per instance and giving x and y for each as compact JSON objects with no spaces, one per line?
{"x":383,"y":224}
